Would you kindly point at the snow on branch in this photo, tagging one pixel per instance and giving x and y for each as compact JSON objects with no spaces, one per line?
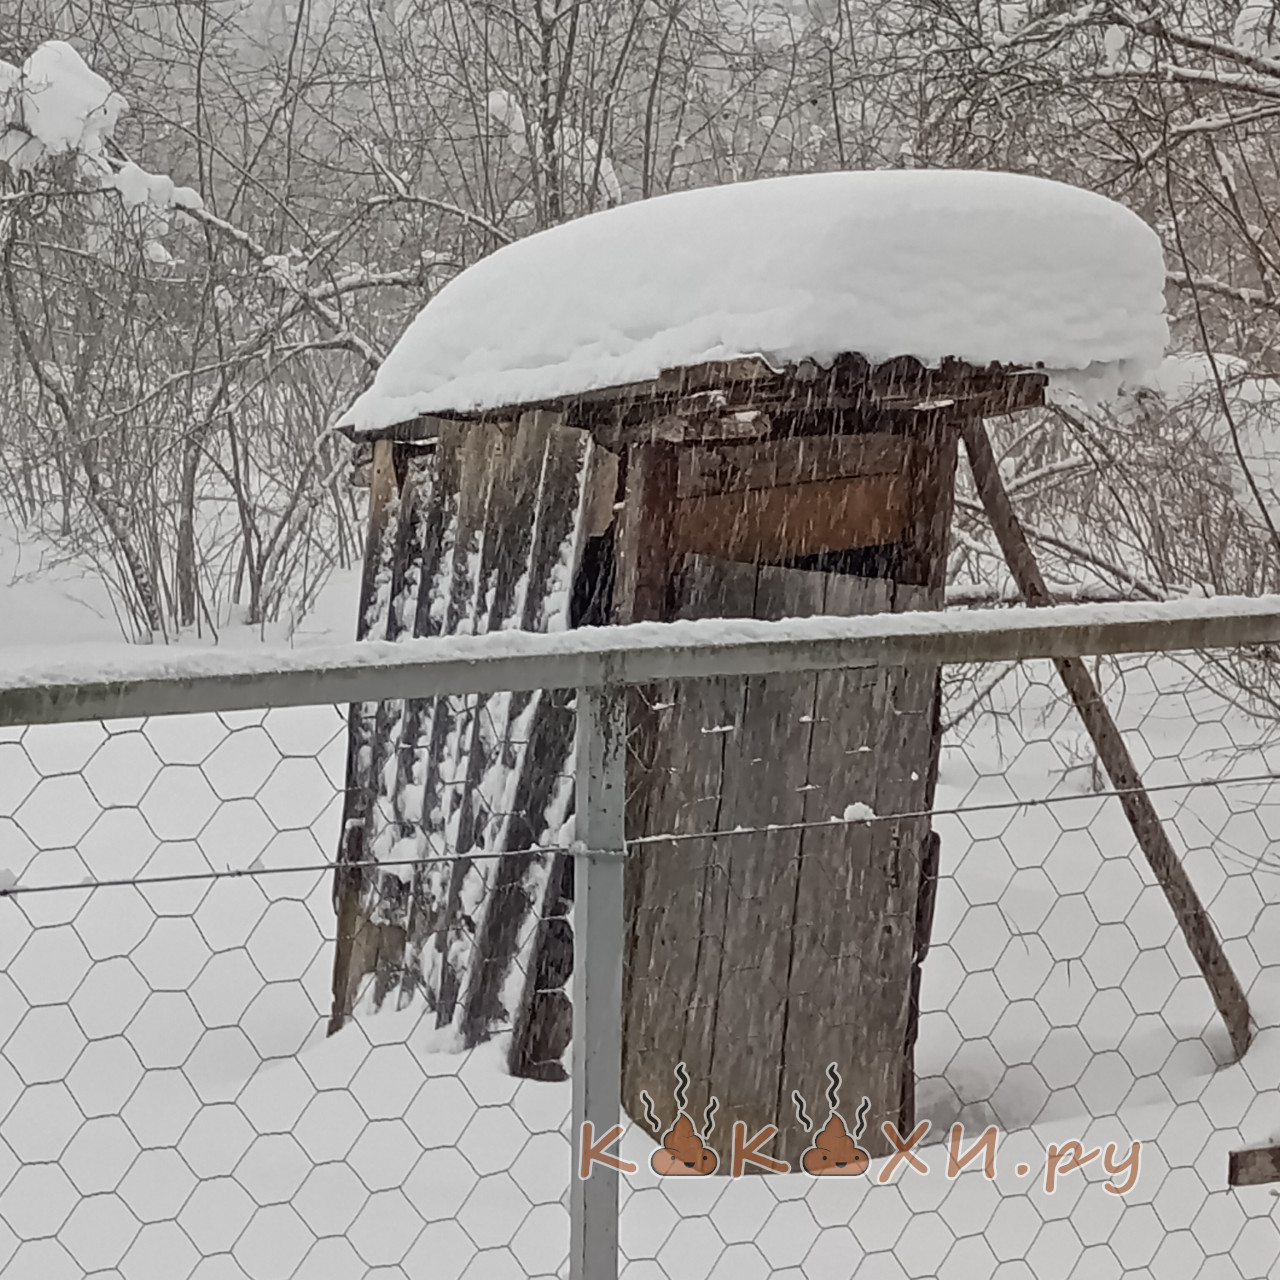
{"x":400,"y":193}
{"x":1238,"y":293}
{"x":573,"y":147}
{"x":138,"y":187}
{"x":1236,"y":81}
{"x":1248,"y":51}
{"x":56,"y":105}
{"x":53,"y":105}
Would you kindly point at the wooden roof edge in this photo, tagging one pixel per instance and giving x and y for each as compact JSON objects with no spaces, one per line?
{"x":902,"y":383}
{"x":419,"y":430}
{"x":1254,"y":1166}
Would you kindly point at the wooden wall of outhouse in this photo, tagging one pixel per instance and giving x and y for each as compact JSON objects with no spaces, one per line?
{"x":781,"y":941}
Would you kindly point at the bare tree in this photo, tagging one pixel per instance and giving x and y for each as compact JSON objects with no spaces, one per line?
{"x":171,"y":375}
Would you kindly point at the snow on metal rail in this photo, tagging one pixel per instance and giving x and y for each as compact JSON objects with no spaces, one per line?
{"x":129,"y":681}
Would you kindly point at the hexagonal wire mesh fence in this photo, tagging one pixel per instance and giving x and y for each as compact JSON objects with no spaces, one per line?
{"x":1058,"y":1003}
{"x":170,"y":1105}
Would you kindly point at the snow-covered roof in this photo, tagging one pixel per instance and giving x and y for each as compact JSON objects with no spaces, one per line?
{"x":979,"y":267}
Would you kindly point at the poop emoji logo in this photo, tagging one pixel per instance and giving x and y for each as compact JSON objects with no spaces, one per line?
{"x":684,"y":1151}
{"x":834,"y":1151}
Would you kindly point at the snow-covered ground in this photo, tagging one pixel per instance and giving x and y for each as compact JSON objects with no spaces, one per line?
{"x":46,"y":602}
{"x":170,"y":1107}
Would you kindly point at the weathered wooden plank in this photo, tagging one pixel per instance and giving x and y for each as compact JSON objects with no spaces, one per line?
{"x":400,"y":719}
{"x":572,"y":463}
{"x":356,"y":946}
{"x":601,"y":491}
{"x":466,"y":459}
{"x":931,"y":497}
{"x":515,"y":483}
{"x":775,"y":936}
{"x":451,"y":808}
{"x":1253,"y":1166}
{"x":642,"y":547}
{"x":850,"y":382}
{"x":496,"y":547}
{"x":388,"y":896}
{"x":930,"y":869}
{"x":790,"y":521}
{"x":849,"y":991}
{"x":689,"y":381}
{"x":432,"y":810}
{"x":383,"y":495}
{"x":804,"y":947}
{"x":909,"y":744}
{"x":438,"y":539}
{"x":766,"y":773}
{"x":422,"y":731}
{"x":693,"y":426}
{"x":406,"y":546}
{"x":769,"y":463}
{"x":511,"y":519}
{"x":544,"y":1016}
{"x":678,"y":895}
{"x":507,"y":469}
{"x":527,"y":760}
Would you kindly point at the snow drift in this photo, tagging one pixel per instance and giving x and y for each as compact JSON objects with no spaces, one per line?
{"x":980,"y":267}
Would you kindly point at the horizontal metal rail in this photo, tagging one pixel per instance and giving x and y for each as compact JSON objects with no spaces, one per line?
{"x":90,"y":684}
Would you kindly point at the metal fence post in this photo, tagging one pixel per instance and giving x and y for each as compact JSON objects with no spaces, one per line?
{"x":599,"y":857}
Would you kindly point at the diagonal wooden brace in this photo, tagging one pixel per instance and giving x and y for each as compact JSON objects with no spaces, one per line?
{"x":1189,"y":911}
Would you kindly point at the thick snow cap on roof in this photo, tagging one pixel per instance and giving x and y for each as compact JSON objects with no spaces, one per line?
{"x":979,"y":267}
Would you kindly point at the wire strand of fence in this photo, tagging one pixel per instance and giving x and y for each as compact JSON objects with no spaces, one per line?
{"x":239,"y":873}
{"x":174,"y":1107}
{"x":1030,"y":802}
{"x":662,"y":838}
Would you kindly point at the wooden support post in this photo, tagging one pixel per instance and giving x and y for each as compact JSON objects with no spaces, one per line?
{"x":1189,"y":911}
{"x":643,"y":547}
{"x":1253,"y":1166}
{"x":383,"y":491}
{"x":357,"y":940}
{"x":598,"y":934}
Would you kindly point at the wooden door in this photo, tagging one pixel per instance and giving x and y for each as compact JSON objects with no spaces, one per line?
{"x":759,"y":957}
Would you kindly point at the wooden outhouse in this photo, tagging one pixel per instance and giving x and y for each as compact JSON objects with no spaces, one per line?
{"x":660,"y":412}
{"x":764,"y":940}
